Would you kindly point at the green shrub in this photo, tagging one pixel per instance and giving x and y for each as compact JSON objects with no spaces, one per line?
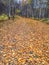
{"x":3,"y":17}
{"x":18,"y":11}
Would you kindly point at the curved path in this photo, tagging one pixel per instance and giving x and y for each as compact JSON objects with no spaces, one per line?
{"x":24,"y":42}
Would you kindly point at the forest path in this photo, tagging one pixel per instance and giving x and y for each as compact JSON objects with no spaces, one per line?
{"x":24,"y":42}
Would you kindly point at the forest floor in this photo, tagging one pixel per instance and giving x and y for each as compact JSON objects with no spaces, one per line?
{"x":24,"y":41}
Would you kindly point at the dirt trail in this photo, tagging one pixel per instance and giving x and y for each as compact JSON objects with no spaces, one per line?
{"x":24,"y":42}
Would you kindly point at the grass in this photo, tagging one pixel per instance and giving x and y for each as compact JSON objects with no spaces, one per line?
{"x":45,"y":20}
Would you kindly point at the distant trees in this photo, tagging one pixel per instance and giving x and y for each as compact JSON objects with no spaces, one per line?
{"x":34,"y":8}
{"x":10,"y":7}
{"x":2,"y":7}
{"x":48,"y":8}
{"x":27,"y":8}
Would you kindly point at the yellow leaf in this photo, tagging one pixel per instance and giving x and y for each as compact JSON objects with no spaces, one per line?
{"x":30,"y":58}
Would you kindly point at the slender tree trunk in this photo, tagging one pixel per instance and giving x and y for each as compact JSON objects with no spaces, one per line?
{"x":39,"y":12}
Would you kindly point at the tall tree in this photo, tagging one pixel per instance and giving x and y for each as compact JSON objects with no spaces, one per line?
{"x":48,"y":8}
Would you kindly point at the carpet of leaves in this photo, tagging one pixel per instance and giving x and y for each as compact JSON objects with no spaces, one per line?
{"x":24,"y":42}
